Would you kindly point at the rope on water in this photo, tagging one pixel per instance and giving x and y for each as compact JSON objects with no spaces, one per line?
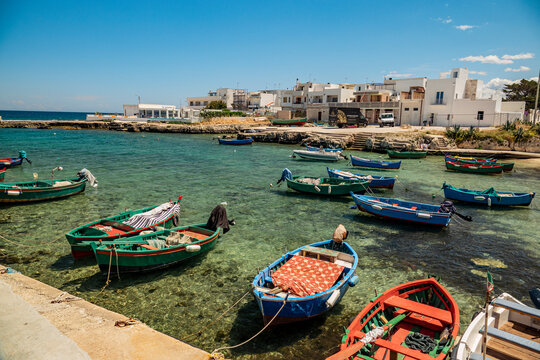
{"x":215,"y":355}
{"x":219,"y":317}
{"x":19,"y":243}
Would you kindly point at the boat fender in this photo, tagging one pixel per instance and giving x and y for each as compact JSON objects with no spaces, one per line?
{"x":332,"y":300}
{"x":193,"y":248}
{"x":353,"y":280}
{"x":317,"y":188}
{"x":479,"y":198}
{"x":424,"y":215}
{"x":489,"y":201}
{"x":329,"y":189}
{"x":376,"y":207}
{"x":176,"y":219}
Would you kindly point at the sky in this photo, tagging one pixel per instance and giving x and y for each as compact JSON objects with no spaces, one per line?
{"x":98,"y":55}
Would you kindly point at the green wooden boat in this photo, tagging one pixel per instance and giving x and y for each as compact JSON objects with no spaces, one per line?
{"x":406,"y":154}
{"x":2,"y":174}
{"x":151,"y":251}
{"x":475,"y":168}
{"x":507,"y":166}
{"x":122,"y":226}
{"x":19,"y":192}
{"x":293,"y":122}
{"x":327,"y":186}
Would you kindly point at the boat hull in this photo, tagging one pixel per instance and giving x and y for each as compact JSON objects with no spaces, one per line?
{"x":2,"y":174}
{"x":236,"y":142}
{"x":357,"y":187}
{"x":406,"y":154}
{"x":374,"y":164}
{"x":375,"y":181}
{"x":282,"y":122}
{"x":10,"y":162}
{"x":466,"y":160}
{"x":318,"y":155}
{"x":9,"y":194}
{"x":311,"y":148}
{"x":402,"y":210}
{"x":148,"y":260}
{"x":475,"y":168}
{"x":478,"y":197}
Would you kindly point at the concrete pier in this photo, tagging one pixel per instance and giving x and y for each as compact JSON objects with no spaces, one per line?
{"x":33,"y":327}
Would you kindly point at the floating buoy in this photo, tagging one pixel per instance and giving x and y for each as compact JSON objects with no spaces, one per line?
{"x":271,"y":185}
{"x":224,"y":203}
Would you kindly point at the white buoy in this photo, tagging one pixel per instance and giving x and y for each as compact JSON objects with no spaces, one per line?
{"x":489,"y":201}
{"x":224,"y":203}
{"x":376,"y":207}
{"x":333,"y":298}
{"x":424,"y":215}
{"x":193,"y":248}
{"x":317,"y":188}
{"x":329,"y":189}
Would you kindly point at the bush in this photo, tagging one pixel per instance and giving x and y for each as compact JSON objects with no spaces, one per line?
{"x":509,"y":126}
{"x":471,"y":134}
{"x":455,"y":133}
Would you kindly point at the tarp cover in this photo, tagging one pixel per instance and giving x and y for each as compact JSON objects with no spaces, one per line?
{"x":154,"y":216}
{"x":218,"y":218}
{"x":303,"y":276}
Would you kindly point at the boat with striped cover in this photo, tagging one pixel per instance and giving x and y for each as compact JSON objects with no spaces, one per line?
{"x":374,"y":164}
{"x":285,"y":290}
{"x":513,"y":332}
{"x":247,"y":141}
{"x":323,"y":186}
{"x":475,"y":168}
{"x":291,"y":122}
{"x":374,"y":181}
{"x":489,"y":197}
{"x":2,"y":174}
{"x":312,"y":148}
{"x":126,"y":224}
{"x":319,"y":155}
{"x":406,"y":154}
{"x":407,"y":211}
{"x":469,"y":160}
{"x":416,"y":320}
{"x":155,"y":250}
{"x":10,"y":162}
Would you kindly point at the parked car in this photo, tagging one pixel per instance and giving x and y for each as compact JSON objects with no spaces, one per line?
{"x":386,"y":119}
{"x":345,"y":117}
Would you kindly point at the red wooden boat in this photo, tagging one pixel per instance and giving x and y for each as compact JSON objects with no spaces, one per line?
{"x":2,"y":174}
{"x":474,"y":168}
{"x":418,"y":309}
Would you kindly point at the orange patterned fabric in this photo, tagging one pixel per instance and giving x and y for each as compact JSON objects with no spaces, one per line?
{"x":304,"y":276}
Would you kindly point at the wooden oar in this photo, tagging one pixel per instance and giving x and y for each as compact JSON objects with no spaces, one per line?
{"x":353,"y":349}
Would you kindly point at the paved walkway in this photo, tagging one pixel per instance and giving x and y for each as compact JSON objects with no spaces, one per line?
{"x":31,"y":327}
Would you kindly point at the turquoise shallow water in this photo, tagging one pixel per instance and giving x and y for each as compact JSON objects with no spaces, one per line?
{"x":139,"y":169}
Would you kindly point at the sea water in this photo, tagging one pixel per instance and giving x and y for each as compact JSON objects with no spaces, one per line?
{"x":136,"y":170}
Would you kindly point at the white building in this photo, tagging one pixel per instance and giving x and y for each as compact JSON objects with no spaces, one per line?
{"x":148,"y":111}
{"x":233,"y":99}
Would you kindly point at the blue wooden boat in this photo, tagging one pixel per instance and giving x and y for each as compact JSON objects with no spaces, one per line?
{"x":311,"y":148}
{"x":408,"y":211}
{"x":10,"y":162}
{"x":287,"y":307}
{"x":247,"y":141}
{"x":375,"y":164}
{"x":374,"y":181}
{"x":487,"y":197}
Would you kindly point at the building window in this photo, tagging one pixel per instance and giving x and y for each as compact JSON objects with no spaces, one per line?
{"x":406,"y":109}
{"x":455,"y":74}
{"x":415,"y":109}
{"x":480,"y":115}
{"x":439,"y":99}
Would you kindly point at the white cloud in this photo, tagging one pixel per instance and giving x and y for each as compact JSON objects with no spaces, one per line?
{"x":534,"y":78}
{"x":521,"y":68}
{"x":394,"y":74}
{"x":482,"y":73}
{"x":17,"y":102}
{"x":465,"y":27}
{"x":490,"y":59}
{"x":493,"y":88}
{"x":518,"y":56}
{"x":444,"y":74}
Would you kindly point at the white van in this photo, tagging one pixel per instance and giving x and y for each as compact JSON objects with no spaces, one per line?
{"x":386,"y":119}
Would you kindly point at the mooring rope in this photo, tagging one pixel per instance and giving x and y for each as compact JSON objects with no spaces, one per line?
{"x":108,"y":276}
{"x":215,"y":355}
{"x":219,"y":317}
{"x":18,"y":243}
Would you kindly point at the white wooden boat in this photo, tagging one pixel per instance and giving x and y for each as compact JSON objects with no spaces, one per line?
{"x":319,"y":155}
{"x":513,"y":330}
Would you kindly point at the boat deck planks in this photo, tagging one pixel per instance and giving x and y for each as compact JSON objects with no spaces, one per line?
{"x":193,"y":234}
{"x":499,"y":349}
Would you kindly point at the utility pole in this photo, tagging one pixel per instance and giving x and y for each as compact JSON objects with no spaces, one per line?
{"x":536,"y":102}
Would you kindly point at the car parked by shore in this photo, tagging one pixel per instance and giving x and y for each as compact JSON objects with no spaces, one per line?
{"x":387,"y":119}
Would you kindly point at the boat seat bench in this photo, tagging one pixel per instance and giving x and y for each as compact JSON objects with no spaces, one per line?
{"x":512,"y":306}
{"x":514,"y":339}
{"x":422,"y":309}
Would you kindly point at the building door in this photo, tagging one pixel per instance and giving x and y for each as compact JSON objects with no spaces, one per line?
{"x":319,"y":116}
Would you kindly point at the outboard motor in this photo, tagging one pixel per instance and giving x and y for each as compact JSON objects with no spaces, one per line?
{"x":447,"y":206}
{"x":22,"y":155}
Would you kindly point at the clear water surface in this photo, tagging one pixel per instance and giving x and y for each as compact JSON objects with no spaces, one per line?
{"x":141,"y":169}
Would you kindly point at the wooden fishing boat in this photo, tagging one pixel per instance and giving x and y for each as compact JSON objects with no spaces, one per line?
{"x":374,"y":181}
{"x":327,"y":186}
{"x":288,"y":291}
{"x":375,"y":164}
{"x":19,"y":192}
{"x":415,"y":320}
{"x":489,"y":197}
{"x":407,"y":211}
{"x":156,"y":250}
{"x":291,"y":122}
{"x":125,"y":224}
{"x":469,"y":160}
{"x":2,"y":174}
{"x":247,"y":141}
{"x":506,"y":166}
{"x":406,"y":154}
{"x":513,"y":332}
{"x":475,"y":168}
{"x":10,"y":162}
{"x":318,"y":155}
{"x":311,"y":148}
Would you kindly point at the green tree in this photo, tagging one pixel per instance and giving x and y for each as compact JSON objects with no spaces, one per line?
{"x":216,"y":105}
{"x":525,"y":90}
